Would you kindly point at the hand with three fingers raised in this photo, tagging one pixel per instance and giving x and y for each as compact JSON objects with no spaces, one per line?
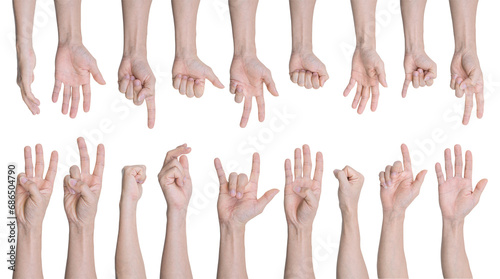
{"x":248,"y":75}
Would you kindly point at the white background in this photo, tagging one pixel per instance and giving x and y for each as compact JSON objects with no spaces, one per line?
{"x":428,"y":121}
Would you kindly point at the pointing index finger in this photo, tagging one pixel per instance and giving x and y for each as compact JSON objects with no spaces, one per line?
{"x":254,"y":175}
{"x":406,"y":157}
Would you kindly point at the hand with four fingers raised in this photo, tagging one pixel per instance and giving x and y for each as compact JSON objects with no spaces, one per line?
{"x":248,"y":75}
{"x":74,"y":65}
{"x":398,"y":188}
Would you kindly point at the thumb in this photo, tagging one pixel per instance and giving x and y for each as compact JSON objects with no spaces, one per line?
{"x":381,"y":74}
{"x":268,"y":80}
{"x":31,"y":187}
{"x":479,"y":190}
{"x":80,"y":187}
{"x":419,"y":179}
{"x":214,"y":79}
{"x":341,"y":176}
{"x":96,"y":74}
{"x":323,"y":76}
{"x":265,"y":199}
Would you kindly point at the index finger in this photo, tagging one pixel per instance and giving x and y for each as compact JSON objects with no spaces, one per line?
{"x":84,"y":155}
{"x":468,"y":108}
{"x":99,"y":162}
{"x":406,"y":157}
{"x":150,"y":104}
{"x":247,"y":107}
{"x":28,"y":162}
{"x":51,"y":172}
{"x":178,"y":151}
{"x":406,"y":84}
{"x":254,"y":175}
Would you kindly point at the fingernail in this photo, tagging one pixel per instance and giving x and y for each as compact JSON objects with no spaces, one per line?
{"x":72,"y":182}
{"x":71,"y":191}
{"x":393,"y":173}
{"x":297,"y":189}
{"x":463,"y":86}
{"x":239,"y":195}
{"x":427,"y":78}
{"x":23,"y":180}
{"x":141,"y":98}
{"x":232,"y":193}
{"x":388,"y":183}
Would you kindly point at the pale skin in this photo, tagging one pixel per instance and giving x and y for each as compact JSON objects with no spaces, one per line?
{"x":24,"y":12}
{"x":398,"y":189}
{"x":302,"y":195}
{"x":350,"y":262}
{"x":457,"y":198}
{"x":175,"y":182}
{"x":466,"y":74}
{"x":135,"y":78}
{"x":188,"y":71}
{"x":247,"y":73}
{"x":128,"y":259}
{"x":74,"y":64}
{"x":81,"y":195}
{"x":420,"y":70}
{"x":237,"y":204}
{"x":306,"y":70}
{"x":367,"y":67}
{"x":33,"y":193}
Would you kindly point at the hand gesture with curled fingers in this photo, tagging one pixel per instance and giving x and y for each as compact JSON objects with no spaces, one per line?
{"x":420,"y":71}
{"x":189,"y":74}
{"x":307,"y":70}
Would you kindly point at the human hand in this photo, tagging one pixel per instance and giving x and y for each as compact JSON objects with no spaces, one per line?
{"x":132,"y":179}
{"x":350,"y":184}
{"x":419,"y":70}
{"x":456,"y":197}
{"x":467,"y":78}
{"x":82,"y":189}
{"x":33,"y":191}
{"x":238,"y":202}
{"x":137,"y":81}
{"x":367,"y":72}
{"x":74,"y":64}
{"x":26,"y":61}
{"x":398,"y":189}
{"x":175,"y":180}
{"x":247,"y":76}
{"x":189,"y":74}
{"x":307,"y":70}
{"x":302,"y":193}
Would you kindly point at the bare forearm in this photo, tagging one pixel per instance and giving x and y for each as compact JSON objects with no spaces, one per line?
{"x":301,"y":12}
{"x":68,"y":13}
{"x":463,"y":13}
{"x":80,"y":263}
{"x":129,"y":262}
{"x":24,"y":12}
{"x":29,"y":253}
{"x":243,"y":14}
{"x":350,"y":262}
{"x":454,"y":260}
{"x":364,"y":22}
{"x":412,"y":12}
{"x":232,"y":252}
{"x":391,"y":261}
{"x":299,"y":253}
{"x":135,"y":26}
{"x":175,"y":260}
{"x":185,"y":12}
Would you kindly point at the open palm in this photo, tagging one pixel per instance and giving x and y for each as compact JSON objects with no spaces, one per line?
{"x":74,"y":64}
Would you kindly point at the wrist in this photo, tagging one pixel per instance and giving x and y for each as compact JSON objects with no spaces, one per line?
{"x":232,"y":228}
{"x":299,"y":232}
{"x":414,"y":48}
{"x":301,"y":47}
{"x":81,"y":229}
{"x":185,"y":51}
{"x":70,"y":38}
{"x":135,"y":50}
{"x":176,"y":214}
{"x":453,"y":222}
{"x":128,"y":204}
{"x":393,"y":216}
{"x":365,"y":42}
{"x":245,"y":50}
{"x":29,"y":233}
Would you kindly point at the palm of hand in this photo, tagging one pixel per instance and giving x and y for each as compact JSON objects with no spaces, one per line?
{"x":77,"y":208}
{"x":73,"y":65}
{"x":400,"y":194}
{"x":176,"y":195}
{"x":248,"y":73}
{"x":364,"y":63}
{"x":28,"y":209}
{"x":465,"y":66}
{"x":296,"y":208}
{"x":455,"y":197}
{"x":190,"y":67}
{"x":307,"y":61}
{"x":240,"y":210}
